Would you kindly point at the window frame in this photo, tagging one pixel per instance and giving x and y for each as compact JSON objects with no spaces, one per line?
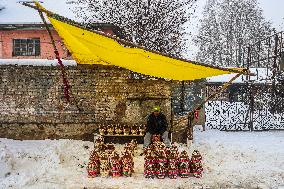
{"x":26,"y":47}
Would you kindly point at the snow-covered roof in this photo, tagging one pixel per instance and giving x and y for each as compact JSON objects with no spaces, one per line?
{"x":14,"y":12}
{"x":262,"y":74}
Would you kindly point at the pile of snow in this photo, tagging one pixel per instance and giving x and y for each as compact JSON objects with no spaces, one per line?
{"x":36,"y":62}
{"x":6,"y":161}
{"x":231,"y":160}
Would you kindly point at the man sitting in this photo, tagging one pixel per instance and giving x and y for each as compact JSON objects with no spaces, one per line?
{"x":156,"y":124}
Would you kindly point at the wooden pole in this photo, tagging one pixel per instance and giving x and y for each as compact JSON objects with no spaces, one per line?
{"x":224,"y":87}
{"x":171,"y":122}
{"x":190,"y":115}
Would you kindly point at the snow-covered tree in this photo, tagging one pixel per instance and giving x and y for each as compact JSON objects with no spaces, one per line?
{"x":227,"y":26}
{"x":155,"y":24}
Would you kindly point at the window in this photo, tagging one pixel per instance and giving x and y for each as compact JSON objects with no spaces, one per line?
{"x":26,"y":47}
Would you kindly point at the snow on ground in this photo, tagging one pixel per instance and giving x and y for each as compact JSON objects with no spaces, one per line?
{"x":231,"y":160}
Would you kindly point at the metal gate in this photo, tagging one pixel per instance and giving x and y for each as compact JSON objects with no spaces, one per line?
{"x":257,"y":102}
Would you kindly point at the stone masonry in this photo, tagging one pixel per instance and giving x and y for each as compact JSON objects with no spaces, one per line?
{"x":32,"y":105}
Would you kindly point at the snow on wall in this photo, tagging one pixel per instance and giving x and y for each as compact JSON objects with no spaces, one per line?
{"x":36,"y":62}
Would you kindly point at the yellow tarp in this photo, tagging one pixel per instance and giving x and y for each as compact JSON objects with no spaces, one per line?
{"x":89,"y":47}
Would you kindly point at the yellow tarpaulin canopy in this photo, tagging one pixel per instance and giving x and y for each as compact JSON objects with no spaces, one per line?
{"x":89,"y":47}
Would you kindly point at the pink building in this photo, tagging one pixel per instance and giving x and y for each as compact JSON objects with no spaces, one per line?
{"x":23,"y":34}
{"x":31,"y":41}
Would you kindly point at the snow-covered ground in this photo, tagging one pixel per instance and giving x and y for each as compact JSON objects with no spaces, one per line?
{"x":231,"y":160}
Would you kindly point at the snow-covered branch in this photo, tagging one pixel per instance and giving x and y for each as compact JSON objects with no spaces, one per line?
{"x":227,"y":27}
{"x":155,"y":24}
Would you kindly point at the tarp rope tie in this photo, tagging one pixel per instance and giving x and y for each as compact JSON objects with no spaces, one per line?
{"x":64,"y":78}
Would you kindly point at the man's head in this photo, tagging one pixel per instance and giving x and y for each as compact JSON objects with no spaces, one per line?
{"x":156,"y":110}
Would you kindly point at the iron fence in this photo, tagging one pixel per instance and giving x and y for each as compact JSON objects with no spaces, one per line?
{"x":256,"y":103}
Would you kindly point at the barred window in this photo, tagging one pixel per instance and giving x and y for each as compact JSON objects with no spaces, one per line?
{"x":26,"y":47}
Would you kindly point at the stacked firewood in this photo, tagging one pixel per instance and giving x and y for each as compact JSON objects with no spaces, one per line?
{"x":105,"y":161}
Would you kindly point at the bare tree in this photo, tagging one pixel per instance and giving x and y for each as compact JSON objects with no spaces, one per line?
{"x":227,"y":26}
{"x":155,"y":24}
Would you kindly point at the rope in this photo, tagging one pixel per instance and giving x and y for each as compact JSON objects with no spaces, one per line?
{"x":63,"y":73}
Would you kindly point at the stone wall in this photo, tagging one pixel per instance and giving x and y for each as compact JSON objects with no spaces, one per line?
{"x":32,"y":105}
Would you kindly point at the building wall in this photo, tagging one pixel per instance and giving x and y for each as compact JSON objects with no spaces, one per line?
{"x":46,"y":47}
{"x":1,"y":45}
{"x":32,"y":105}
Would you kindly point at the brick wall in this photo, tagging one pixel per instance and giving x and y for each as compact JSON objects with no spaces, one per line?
{"x":32,"y":105}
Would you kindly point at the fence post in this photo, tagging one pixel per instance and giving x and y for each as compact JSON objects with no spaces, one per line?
{"x":190,"y":125}
{"x":251,"y":107}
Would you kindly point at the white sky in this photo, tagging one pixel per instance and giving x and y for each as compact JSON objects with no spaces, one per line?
{"x":14,"y":12}
{"x":273,"y":10}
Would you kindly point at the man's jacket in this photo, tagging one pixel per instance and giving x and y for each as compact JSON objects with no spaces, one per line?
{"x":156,"y":124}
